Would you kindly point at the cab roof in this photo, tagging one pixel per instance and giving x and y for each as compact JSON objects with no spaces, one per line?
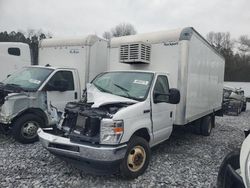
{"x":51,"y":67}
{"x":142,"y":71}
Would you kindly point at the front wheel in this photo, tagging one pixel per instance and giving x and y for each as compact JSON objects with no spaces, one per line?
{"x":25,"y":128}
{"x":136,"y":159}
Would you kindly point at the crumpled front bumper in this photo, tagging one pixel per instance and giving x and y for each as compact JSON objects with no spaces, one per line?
{"x":98,"y":159}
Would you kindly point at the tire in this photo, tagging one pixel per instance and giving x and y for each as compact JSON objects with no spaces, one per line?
{"x":244,"y":107}
{"x":224,"y":180}
{"x":206,"y":125}
{"x":240,"y":107}
{"x":197,"y":126}
{"x":24,"y":129}
{"x":213,"y":121}
{"x":136,"y":159}
{"x":238,"y":111}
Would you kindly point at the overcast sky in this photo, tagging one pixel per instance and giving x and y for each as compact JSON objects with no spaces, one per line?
{"x":82,"y":17}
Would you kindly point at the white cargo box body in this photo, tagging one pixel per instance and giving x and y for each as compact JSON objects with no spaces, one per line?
{"x":86,"y":54}
{"x":194,"y":67}
{"x":13,"y":56}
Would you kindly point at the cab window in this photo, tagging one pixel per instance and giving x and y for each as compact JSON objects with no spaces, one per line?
{"x":14,"y":51}
{"x":161,"y":89}
{"x":62,"y":77}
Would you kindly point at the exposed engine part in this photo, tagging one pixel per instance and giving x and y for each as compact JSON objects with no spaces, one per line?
{"x":82,"y":123}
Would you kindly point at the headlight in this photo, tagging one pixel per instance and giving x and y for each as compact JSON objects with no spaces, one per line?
{"x":248,"y":171}
{"x":111,"y":131}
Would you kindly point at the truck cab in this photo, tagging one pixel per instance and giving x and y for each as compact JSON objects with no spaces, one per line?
{"x":13,"y":56}
{"x":34,"y":96}
{"x":123,"y":114}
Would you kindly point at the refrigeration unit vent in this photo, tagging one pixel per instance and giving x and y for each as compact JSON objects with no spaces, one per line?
{"x":135,"y":53}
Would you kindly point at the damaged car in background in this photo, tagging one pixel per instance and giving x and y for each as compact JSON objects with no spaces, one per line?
{"x":234,"y":101}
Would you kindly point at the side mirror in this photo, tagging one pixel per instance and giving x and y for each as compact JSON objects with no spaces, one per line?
{"x":174,"y":96}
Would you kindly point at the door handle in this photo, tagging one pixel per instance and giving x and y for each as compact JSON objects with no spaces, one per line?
{"x":75,"y":95}
{"x":171,"y":114}
{"x":146,"y":111}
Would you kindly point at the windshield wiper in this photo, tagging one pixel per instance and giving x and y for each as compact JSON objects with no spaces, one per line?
{"x":124,"y":89}
{"x":127,"y":92}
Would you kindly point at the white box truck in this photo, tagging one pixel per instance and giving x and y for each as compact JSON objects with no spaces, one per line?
{"x":34,"y":96}
{"x":13,"y":56}
{"x":133,"y":106}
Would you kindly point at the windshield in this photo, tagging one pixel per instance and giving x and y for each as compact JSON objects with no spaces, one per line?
{"x":133,"y":85}
{"x":29,"y":78}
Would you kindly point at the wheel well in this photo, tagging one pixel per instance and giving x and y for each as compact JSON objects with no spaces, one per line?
{"x":143,"y":133}
{"x":36,"y":111}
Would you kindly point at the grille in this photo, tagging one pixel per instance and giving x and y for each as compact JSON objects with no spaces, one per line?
{"x":135,"y":53}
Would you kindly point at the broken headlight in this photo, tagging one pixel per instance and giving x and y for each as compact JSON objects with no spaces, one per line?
{"x":111,"y":131}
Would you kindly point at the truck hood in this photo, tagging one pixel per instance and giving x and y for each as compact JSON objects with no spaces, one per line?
{"x":101,"y":98}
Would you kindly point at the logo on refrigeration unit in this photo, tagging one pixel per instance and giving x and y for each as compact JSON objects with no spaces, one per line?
{"x":170,"y":43}
{"x":74,"y":51}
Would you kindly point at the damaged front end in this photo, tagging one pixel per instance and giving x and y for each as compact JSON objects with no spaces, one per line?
{"x":82,"y":123}
{"x":7,"y":109}
{"x":88,"y":137}
{"x":14,"y":104}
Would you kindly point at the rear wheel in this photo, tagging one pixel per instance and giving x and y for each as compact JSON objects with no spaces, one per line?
{"x":25,"y":128}
{"x":244,"y":107}
{"x":213,"y":121}
{"x":197,"y":126}
{"x":136,"y":159}
{"x":238,"y":111}
{"x":206,"y":126}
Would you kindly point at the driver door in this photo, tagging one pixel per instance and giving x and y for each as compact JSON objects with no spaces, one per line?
{"x":58,"y":98}
{"x":162,"y":111}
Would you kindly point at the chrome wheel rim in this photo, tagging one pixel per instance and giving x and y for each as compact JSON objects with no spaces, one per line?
{"x":29,"y":129}
{"x":136,"y":158}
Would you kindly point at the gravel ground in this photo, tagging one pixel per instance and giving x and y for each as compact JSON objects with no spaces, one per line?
{"x":185,"y":160}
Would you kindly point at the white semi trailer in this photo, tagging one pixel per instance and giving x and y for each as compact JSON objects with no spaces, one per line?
{"x":133,"y":106}
{"x":35,"y":95}
{"x":13,"y":56}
